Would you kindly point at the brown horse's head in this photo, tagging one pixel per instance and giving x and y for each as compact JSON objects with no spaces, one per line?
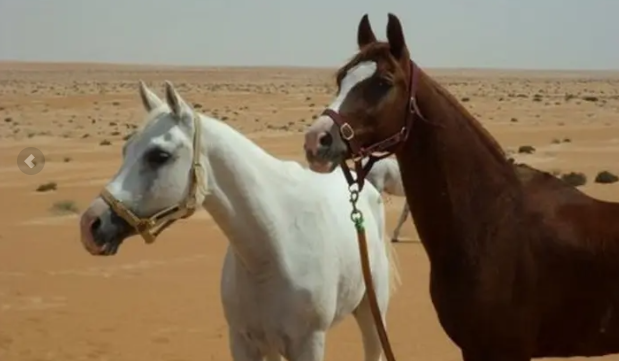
{"x":373,"y":103}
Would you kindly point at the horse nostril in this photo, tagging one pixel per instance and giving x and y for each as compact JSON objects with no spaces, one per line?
{"x":95,"y":225}
{"x":326,"y":140}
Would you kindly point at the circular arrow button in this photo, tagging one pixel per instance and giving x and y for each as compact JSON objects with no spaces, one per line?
{"x":30,"y":161}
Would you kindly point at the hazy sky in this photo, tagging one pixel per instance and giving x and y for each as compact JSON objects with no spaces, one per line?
{"x":538,"y":34}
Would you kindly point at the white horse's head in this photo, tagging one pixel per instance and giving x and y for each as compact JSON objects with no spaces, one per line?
{"x":157,"y":181}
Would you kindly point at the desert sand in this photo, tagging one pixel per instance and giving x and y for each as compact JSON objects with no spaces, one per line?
{"x":161,"y":301}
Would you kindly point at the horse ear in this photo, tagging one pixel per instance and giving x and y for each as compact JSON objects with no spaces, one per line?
{"x":175,"y":102}
{"x":395,"y":35}
{"x":149,"y":99}
{"x":365,"y":35}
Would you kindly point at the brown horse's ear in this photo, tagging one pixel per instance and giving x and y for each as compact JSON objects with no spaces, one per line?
{"x":395,"y":35}
{"x":365,"y":35}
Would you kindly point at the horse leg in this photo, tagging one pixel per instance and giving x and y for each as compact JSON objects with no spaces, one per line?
{"x":242,"y":348}
{"x":371,"y":342}
{"x":308,"y":348}
{"x":403,"y":216}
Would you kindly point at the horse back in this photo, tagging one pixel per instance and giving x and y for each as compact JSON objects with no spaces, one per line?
{"x":576,"y":256}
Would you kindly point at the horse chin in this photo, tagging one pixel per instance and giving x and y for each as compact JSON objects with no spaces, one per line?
{"x":110,"y":248}
{"x":112,"y":243}
{"x":107,"y":248}
{"x":106,"y":241}
{"x":323,"y":163}
{"x":322,"y":167}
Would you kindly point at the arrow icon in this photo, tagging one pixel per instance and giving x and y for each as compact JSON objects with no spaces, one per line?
{"x":29,"y":160}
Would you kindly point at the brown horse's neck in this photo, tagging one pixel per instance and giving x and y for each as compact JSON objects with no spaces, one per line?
{"x":459,"y":186}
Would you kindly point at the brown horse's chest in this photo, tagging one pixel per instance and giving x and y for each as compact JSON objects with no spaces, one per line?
{"x":483,"y":302}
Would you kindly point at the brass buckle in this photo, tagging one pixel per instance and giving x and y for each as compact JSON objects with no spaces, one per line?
{"x":347,"y":132}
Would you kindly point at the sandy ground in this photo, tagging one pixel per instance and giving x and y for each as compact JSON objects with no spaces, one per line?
{"x":161,"y":302}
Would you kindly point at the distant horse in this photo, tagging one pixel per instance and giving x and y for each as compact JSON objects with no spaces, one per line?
{"x":521,"y":265}
{"x":291,"y":271}
{"x":385,"y":176}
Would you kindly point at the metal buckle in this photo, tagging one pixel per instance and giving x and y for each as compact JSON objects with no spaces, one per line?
{"x":347,"y":132}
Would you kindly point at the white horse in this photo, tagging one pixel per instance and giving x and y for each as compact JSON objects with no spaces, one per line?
{"x":292,"y":270}
{"x":385,"y":176}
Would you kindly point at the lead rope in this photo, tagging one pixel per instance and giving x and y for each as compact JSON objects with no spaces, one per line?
{"x":357,"y":218}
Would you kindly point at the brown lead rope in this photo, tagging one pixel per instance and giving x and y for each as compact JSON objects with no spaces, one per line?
{"x":357,"y":217}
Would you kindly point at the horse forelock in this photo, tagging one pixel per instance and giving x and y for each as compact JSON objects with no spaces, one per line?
{"x":371,"y":52}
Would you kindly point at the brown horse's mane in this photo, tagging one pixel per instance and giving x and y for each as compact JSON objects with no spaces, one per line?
{"x":493,"y":145}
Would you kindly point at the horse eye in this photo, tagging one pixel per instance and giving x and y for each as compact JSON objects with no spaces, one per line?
{"x":157,"y":157}
{"x":379,"y":88}
{"x":384,"y":84}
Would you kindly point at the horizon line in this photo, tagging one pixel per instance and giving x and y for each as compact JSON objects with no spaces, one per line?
{"x":316,"y":67}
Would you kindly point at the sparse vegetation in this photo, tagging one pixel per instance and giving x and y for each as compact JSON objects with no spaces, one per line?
{"x":527,"y":149}
{"x":575,"y":179}
{"x":64,"y":207}
{"x":606,"y":177}
{"x":272,"y":102}
{"x":590,"y":98}
{"x":46,"y":187}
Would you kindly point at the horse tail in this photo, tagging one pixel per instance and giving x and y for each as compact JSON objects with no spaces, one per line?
{"x":395,"y":279}
{"x":380,"y":215}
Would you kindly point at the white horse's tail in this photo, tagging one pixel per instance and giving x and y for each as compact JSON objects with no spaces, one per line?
{"x":394,"y":272}
{"x":395,"y":279}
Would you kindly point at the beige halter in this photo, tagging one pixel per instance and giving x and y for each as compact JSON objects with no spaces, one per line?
{"x":149,"y":228}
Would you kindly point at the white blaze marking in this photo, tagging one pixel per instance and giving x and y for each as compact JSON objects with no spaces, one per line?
{"x":354,"y":76}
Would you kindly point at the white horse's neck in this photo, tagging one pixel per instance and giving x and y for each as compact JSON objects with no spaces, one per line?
{"x":243,"y":193}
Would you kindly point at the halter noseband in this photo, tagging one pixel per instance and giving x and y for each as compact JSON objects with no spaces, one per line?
{"x":387,"y":146}
{"x":149,"y":228}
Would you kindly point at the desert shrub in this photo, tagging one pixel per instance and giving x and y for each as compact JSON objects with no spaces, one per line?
{"x":526,"y":149}
{"x":575,"y":179}
{"x":606,"y":177}
{"x":46,"y":187}
{"x":65,"y":206}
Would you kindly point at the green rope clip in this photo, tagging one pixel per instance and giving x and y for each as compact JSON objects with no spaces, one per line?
{"x":357,"y":218}
{"x":359,"y":224}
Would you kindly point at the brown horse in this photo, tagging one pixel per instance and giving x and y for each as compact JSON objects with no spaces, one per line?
{"x":522,"y":264}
